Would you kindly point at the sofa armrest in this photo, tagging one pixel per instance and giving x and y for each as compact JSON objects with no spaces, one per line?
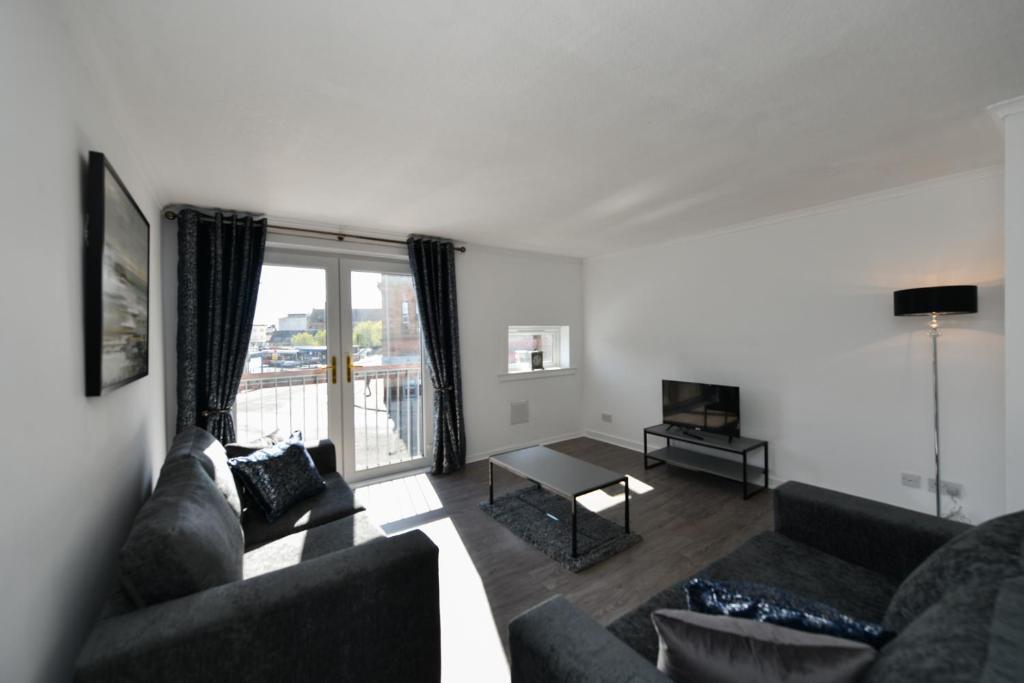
{"x":367,"y":613}
{"x":554,"y":641}
{"x":884,"y":538}
{"x":323,"y":454}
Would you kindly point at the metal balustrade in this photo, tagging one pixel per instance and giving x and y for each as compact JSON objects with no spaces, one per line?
{"x":387,"y":411}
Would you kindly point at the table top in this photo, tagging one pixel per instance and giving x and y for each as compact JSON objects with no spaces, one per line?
{"x":738,"y":444}
{"x":561,"y":473}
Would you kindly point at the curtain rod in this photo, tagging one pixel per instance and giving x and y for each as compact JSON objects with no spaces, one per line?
{"x":318,"y":234}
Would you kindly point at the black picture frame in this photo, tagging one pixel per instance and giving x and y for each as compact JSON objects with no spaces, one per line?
{"x":116,"y":281}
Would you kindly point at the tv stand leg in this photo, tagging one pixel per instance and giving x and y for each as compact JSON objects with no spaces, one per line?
{"x":745,"y":494}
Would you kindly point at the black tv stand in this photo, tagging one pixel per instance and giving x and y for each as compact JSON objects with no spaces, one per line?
{"x":718,"y":465}
{"x":688,"y":432}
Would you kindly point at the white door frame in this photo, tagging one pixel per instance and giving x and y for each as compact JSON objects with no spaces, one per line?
{"x":332,"y":318}
{"x":347,"y":446}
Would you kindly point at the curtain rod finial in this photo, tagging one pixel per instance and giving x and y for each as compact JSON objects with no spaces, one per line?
{"x":170,"y":215}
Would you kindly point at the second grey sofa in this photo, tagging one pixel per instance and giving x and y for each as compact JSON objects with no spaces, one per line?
{"x":962,"y":622}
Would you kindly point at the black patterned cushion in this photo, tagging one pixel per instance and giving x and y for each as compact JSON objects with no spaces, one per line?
{"x":774,"y":606}
{"x":277,"y":477}
{"x":185,"y":538}
{"x":986,"y":554}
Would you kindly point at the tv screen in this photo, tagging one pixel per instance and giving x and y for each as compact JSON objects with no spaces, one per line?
{"x":706,"y":407}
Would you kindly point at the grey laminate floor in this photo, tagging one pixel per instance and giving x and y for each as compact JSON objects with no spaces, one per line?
{"x":489,"y":575}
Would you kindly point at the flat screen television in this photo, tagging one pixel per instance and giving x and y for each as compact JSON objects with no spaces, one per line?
{"x":710,"y":408}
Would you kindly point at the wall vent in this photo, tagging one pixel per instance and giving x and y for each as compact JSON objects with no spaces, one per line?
{"x":520,"y":413}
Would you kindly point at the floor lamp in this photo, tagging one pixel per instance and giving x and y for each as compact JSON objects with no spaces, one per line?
{"x":936,"y":301}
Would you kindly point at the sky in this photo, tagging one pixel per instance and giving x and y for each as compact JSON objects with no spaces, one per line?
{"x":289,"y":289}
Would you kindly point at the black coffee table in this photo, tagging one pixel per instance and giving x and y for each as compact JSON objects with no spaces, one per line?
{"x":563,"y":475}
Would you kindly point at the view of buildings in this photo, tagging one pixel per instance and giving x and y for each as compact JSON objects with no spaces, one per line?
{"x":284,"y":386}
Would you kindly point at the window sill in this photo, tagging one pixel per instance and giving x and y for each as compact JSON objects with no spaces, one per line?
{"x":535,"y":374}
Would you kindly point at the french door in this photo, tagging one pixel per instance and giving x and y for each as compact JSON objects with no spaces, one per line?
{"x":336,"y":353}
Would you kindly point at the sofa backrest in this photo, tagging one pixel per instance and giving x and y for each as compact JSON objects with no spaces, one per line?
{"x":185,"y":538}
{"x":953,"y":608}
{"x":195,"y":442}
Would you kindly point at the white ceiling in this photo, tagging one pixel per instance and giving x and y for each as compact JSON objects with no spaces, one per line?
{"x":572,"y":127}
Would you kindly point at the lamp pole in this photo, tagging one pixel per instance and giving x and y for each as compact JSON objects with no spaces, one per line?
{"x":936,"y":301}
{"x":933,"y":332}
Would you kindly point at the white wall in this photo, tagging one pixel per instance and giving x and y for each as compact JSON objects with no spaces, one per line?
{"x":1013,"y":130}
{"x":798,"y":313}
{"x":498,"y":288}
{"x":74,"y":468}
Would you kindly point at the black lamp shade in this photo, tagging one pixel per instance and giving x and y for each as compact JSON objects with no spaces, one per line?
{"x":949,"y":300}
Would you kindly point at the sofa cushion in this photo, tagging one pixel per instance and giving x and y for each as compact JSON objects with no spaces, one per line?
{"x":721,"y":649}
{"x":947,"y":643}
{"x":986,"y":554}
{"x":772,"y":605}
{"x":775,"y":560}
{"x":185,"y":538}
{"x":1005,"y":655}
{"x":334,"y":502}
{"x":278,"y":476}
{"x":340,"y":534}
{"x":200,"y":444}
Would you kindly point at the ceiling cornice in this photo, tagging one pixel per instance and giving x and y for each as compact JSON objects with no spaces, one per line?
{"x":1000,"y":110}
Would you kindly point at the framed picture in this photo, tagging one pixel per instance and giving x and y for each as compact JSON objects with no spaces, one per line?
{"x":537,"y":360}
{"x":116,"y":282}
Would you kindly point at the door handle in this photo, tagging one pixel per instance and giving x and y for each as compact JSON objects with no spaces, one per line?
{"x":348,"y":367}
{"x":333,"y":367}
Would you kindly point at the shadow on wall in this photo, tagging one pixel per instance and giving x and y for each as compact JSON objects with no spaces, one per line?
{"x":90,"y":573}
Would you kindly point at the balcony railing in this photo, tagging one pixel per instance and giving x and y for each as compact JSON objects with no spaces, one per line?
{"x":387,"y":414}
{"x":387,"y":411}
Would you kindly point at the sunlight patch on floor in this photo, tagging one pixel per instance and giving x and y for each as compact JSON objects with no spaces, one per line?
{"x":397,"y":499}
{"x":599,"y":500}
{"x":470,"y":645}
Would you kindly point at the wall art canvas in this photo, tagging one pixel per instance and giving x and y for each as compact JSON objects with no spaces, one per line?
{"x":116,"y":282}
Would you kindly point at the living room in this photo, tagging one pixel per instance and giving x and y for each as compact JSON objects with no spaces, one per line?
{"x":642,"y":304}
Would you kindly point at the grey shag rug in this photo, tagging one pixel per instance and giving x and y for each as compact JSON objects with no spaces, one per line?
{"x":543,"y":520}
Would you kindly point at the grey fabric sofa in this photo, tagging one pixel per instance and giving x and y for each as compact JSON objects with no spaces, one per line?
{"x":324,"y":595}
{"x":964,"y":618}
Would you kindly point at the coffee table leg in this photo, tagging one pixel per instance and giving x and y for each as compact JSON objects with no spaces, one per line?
{"x":490,"y":482}
{"x":626,"y":482}
{"x":574,"y":526}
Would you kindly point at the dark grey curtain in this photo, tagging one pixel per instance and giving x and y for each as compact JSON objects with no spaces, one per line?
{"x":433,"y":268}
{"x":219,"y":261}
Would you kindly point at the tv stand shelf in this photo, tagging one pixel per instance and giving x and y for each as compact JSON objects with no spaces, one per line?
{"x":718,"y":465}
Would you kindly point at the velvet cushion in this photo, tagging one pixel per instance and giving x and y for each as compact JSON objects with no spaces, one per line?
{"x":713,"y":648}
{"x":195,"y":442}
{"x":185,"y":538}
{"x":986,"y":554}
{"x":279,"y":476}
{"x":774,"y":606}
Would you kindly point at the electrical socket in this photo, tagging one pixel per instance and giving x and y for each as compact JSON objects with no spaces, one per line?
{"x":911,"y":480}
{"x":951,"y":489}
{"x":606,"y":417}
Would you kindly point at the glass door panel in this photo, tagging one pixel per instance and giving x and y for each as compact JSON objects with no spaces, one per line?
{"x":286,"y":385}
{"x":383,"y":370}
